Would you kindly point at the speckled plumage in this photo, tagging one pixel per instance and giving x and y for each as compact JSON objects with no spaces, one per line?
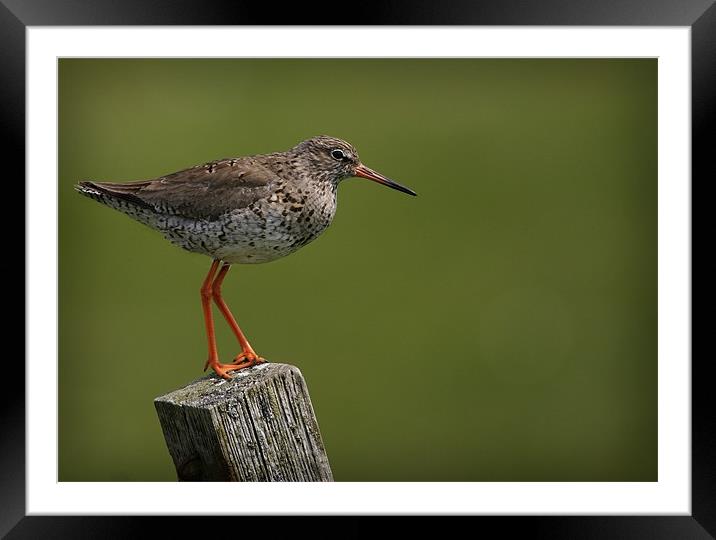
{"x":251,"y":209}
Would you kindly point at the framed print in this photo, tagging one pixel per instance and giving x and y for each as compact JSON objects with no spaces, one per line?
{"x":513,"y":344}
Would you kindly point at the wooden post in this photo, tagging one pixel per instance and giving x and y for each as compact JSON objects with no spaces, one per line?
{"x":258,"y":426}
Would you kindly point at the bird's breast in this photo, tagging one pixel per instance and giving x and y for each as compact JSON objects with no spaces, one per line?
{"x":275,"y":227}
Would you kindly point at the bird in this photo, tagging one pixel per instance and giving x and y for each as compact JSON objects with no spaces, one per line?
{"x":241,"y":210}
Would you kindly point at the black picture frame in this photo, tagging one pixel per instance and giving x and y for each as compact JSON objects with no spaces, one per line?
{"x":16,"y":15}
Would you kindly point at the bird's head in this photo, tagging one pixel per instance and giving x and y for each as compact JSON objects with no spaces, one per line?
{"x":333,"y":159}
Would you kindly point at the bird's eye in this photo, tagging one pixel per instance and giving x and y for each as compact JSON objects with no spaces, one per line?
{"x":338,"y":154}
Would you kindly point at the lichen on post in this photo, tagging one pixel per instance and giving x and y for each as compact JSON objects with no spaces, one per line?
{"x":259,"y":426}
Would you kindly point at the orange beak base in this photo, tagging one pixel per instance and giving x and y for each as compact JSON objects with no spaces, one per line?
{"x":364,"y":172}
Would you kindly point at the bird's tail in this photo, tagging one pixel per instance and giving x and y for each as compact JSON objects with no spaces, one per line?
{"x":91,"y":190}
{"x":121,"y":197}
{"x":111,"y":193}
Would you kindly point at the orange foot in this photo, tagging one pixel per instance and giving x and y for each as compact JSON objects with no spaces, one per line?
{"x":222,"y":370}
{"x":242,"y":361}
{"x":248,"y":359}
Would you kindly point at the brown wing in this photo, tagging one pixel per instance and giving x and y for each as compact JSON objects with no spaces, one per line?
{"x":202,"y":192}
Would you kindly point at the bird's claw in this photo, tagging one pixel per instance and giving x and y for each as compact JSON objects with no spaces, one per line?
{"x":248,"y":359}
{"x":243,"y":360}
{"x":222,"y":370}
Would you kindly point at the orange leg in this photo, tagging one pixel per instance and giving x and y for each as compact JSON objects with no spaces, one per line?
{"x":206,"y":295}
{"x":248,"y":356}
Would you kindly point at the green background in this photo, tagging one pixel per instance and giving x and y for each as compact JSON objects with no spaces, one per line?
{"x":501,"y":326}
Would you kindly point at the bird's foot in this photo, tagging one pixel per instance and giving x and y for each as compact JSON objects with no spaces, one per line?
{"x":243,"y":360}
{"x":248,"y":359}
{"x":222,"y":370}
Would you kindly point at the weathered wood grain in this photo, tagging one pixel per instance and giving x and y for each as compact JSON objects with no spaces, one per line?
{"x":259,"y":426}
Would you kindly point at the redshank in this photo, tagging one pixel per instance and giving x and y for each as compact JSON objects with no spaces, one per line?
{"x":248,"y":210}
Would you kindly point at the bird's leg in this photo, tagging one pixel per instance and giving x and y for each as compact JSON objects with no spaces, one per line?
{"x":248,"y":356}
{"x":206,"y":295}
{"x":208,"y":317}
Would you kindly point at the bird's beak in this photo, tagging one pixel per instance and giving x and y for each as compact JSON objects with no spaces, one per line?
{"x":364,"y":172}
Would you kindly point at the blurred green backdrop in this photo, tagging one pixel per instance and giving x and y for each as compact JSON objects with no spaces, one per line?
{"x":502,"y":326}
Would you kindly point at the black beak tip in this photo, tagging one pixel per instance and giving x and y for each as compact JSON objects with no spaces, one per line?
{"x":402,"y":188}
{"x":364,"y":172}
